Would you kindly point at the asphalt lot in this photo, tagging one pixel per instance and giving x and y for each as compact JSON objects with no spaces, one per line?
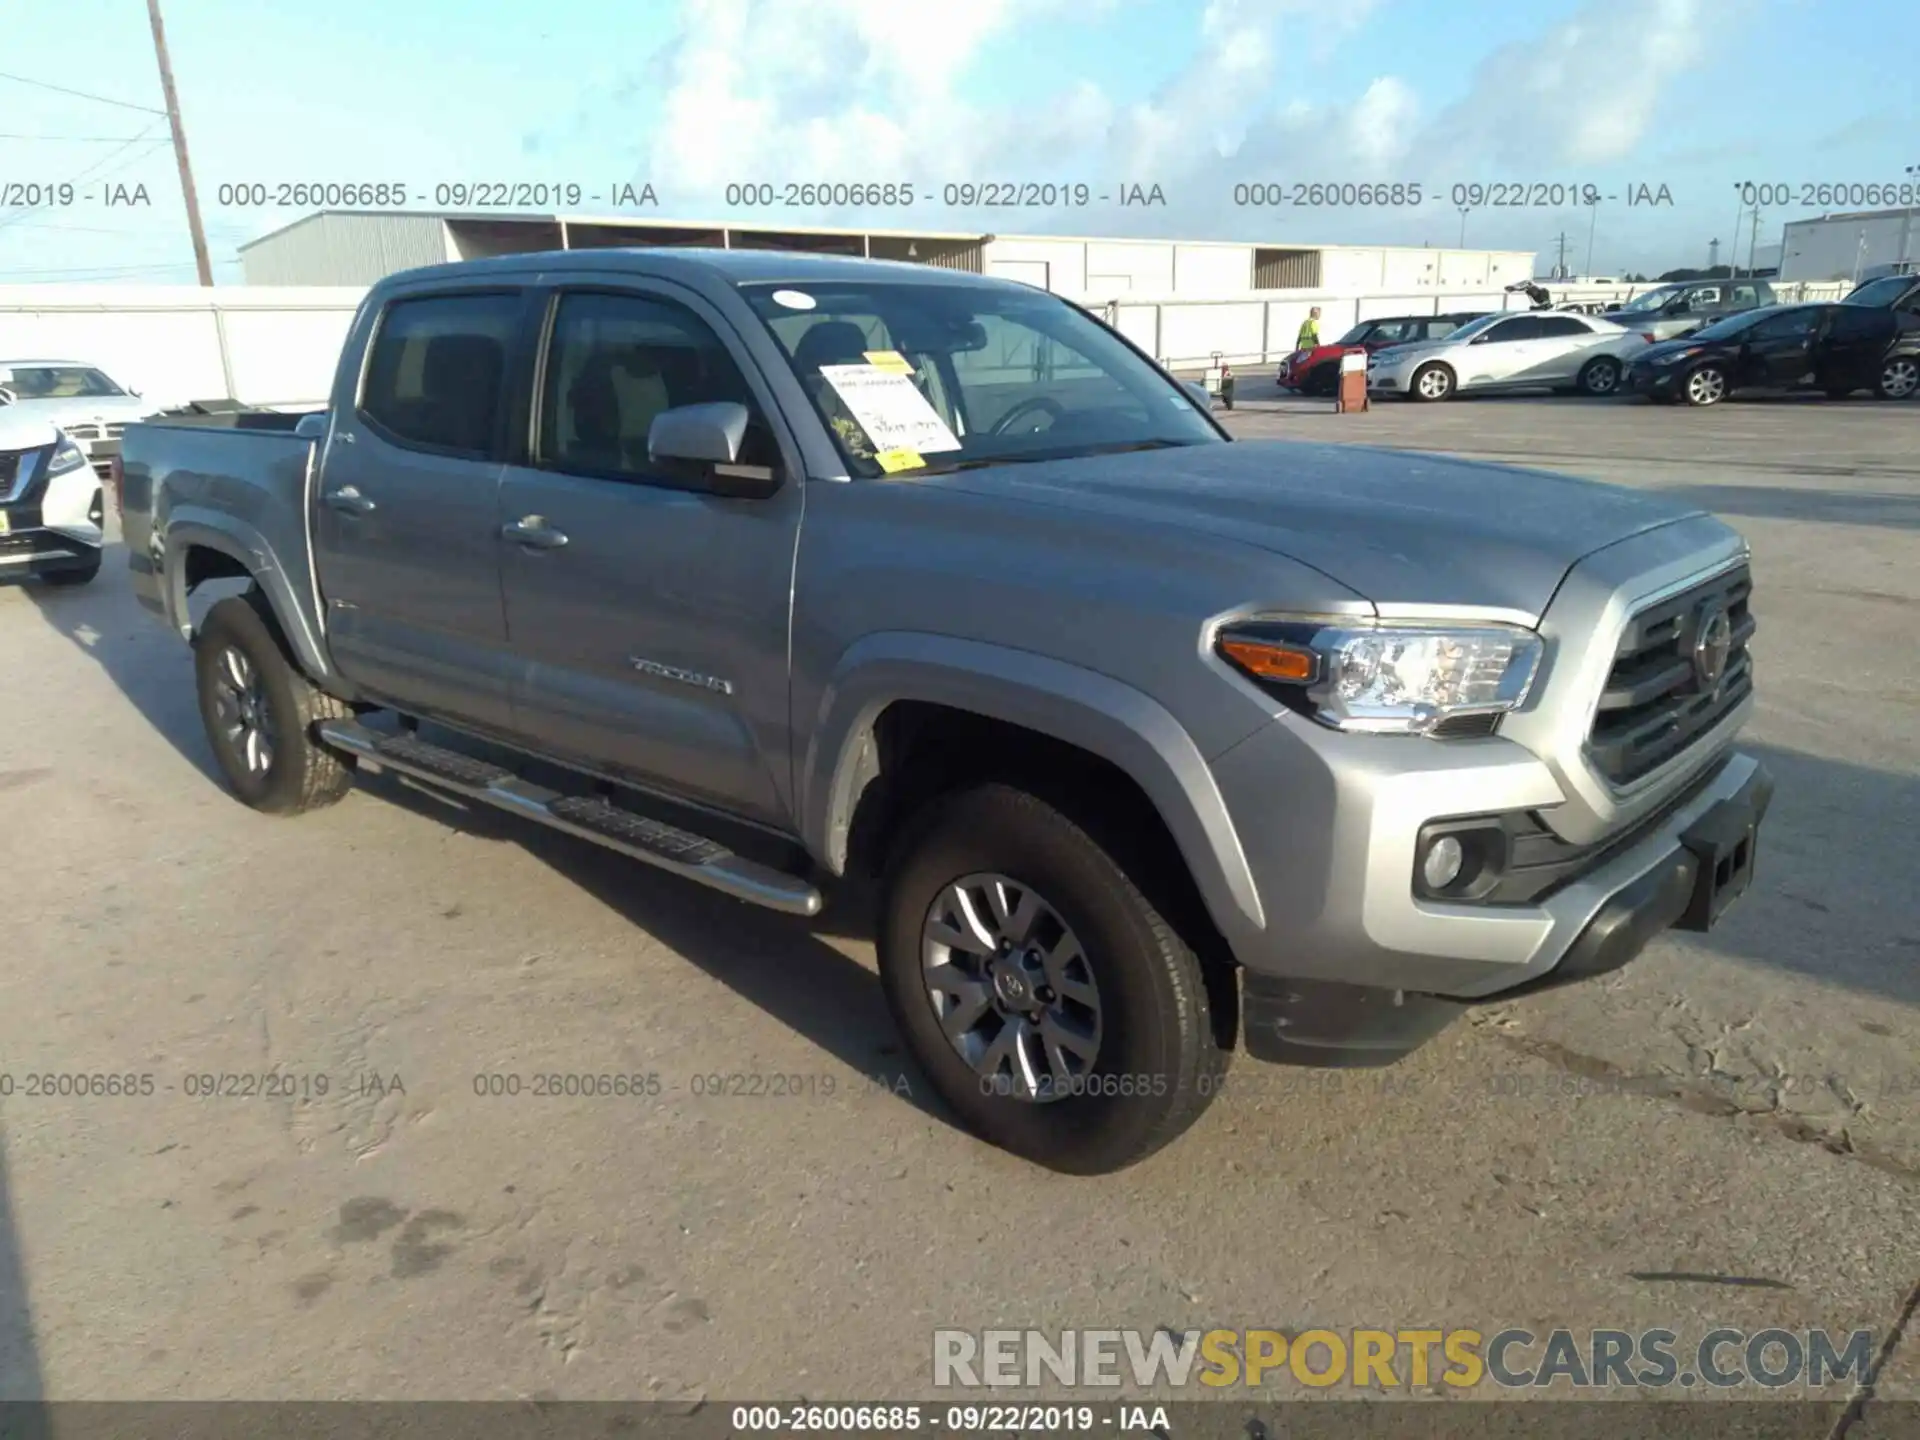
{"x":1726,"y":1134}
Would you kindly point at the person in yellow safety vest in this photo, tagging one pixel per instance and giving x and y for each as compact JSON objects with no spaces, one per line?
{"x":1309,"y":337}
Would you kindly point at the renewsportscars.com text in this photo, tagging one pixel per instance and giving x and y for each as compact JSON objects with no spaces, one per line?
{"x":1395,"y":1359}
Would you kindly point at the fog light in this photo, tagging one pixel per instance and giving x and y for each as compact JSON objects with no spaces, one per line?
{"x":1441,"y":865}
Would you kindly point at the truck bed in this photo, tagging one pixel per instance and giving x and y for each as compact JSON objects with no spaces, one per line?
{"x":238,"y":490}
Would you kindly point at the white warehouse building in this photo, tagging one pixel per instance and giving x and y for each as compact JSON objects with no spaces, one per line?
{"x":1852,"y":246}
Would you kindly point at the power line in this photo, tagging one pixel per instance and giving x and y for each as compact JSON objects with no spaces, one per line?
{"x":80,"y":94}
{"x":92,"y":169}
{"x":65,"y":139}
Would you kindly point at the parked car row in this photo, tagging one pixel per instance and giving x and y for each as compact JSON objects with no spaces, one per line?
{"x":1697,"y":343}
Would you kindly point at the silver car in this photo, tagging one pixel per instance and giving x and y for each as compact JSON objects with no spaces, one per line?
{"x":1535,"y":350}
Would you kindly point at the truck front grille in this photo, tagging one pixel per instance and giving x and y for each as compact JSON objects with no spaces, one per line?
{"x":1682,"y":665}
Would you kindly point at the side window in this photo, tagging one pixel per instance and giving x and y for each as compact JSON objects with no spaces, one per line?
{"x":1558,"y":326}
{"x":1525,"y":328}
{"x":435,"y":375}
{"x":1744,"y":297}
{"x":1855,"y":322}
{"x":614,"y":364}
{"x":1703,"y":297}
{"x":1436,"y":329}
{"x":1794,"y":325}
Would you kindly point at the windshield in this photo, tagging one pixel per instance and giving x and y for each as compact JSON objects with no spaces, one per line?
{"x":1652,"y":300}
{"x":1883,"y":291}
{"x":1475,"y":326}
{"x":925,"y":377}
{"x":1732,"y":325}
{"x":1362,"y":332}
{"x":56,"y":382}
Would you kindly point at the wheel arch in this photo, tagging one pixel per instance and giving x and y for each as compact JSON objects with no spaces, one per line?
{"x":973,"y":708}
{"x":195,"y":553}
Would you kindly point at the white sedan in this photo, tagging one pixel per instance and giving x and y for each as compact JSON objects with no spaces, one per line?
{"x":1522,"y":350}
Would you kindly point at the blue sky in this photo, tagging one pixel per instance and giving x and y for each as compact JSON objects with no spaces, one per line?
{"x":1193,"y":95}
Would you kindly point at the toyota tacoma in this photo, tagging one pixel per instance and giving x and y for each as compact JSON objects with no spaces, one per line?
{"x":775,"y":570}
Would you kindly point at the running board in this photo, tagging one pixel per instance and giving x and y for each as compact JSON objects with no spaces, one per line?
{"x":680,"y":852}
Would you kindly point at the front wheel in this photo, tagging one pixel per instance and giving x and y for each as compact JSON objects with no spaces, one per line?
{"x":1705,"y":386}
{"x":1049,"y":1002}
{"x":1600,"y":376}
{"x":1899,"y":378}
{"x":259,"y":711}
{"x":1431,"y":382}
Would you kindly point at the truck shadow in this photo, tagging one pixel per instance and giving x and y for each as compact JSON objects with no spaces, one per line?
{"x":785,"y":966}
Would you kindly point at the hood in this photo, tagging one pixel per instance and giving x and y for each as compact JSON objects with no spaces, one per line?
{"x":1662,"y":348}
{"x":79,"y":409}
{"x":25,"y":431}
{"x":1400,"y":528}
{"x":1405,"y":348}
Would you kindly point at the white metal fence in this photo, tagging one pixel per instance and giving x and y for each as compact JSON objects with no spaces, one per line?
{"x":277,"y":345}
{"x":273,"y":346}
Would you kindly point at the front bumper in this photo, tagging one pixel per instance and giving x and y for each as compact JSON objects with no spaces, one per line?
{"x":1658,"y":381}
{"x":1680,"y":871}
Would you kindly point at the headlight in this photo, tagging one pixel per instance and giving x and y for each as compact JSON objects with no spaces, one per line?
{"x":1394,"y":679}
{"x":1677,"y":356}
{"x":67,"y":456}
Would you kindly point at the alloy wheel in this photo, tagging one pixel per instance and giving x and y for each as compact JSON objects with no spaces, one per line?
{"x":243,"y":716}
{"x":1706,"y":387}
{"x":1011,"y":987}
{"x":1900,"y":379}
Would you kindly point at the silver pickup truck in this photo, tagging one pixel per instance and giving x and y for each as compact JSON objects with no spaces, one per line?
{"x":776,"y":570}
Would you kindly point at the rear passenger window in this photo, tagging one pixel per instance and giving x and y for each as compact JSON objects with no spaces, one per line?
{"x":614,"y":365}
{"x":435,"y":375}
{"x":1553,"y":325}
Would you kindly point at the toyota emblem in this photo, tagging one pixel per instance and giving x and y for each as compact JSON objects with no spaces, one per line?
{"x":1712,"y":645}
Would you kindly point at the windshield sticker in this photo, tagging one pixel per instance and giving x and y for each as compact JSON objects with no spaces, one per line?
{"x":889,"y":360}
{"x":893,"y":461}
{"x":892,"y":412}
{"x":794,"y":299}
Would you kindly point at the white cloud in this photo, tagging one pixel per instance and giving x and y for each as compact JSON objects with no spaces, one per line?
{"x":858,"y":89}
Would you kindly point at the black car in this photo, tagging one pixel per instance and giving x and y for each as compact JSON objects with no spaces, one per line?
{"x":1838,"y":348}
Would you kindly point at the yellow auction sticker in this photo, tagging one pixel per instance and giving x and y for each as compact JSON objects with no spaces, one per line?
{"x":892,"y":460}
{"x":892,"y":361}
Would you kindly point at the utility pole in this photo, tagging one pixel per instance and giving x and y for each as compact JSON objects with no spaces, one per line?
{"x":200,"y":259}
{"x":1560,"y":264}
{"x":1753,"y":245}
{"x":1592,"y":224}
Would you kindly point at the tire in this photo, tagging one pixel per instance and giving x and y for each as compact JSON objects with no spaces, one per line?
{"x":1148,"y":1064}
{"x":1432,"y":381}
{"x":1323,"y":383}
{"x":1899,"y":378}
{"x":1705,"y":386}
{"x":244,"y":677}
{"x":76,"y":575}
{"x":1600,"y":376}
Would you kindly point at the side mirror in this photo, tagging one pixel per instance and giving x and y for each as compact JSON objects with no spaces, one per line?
{"x":311,"y":427}
{"x":1198,"y":393}
{"x":700,"y":445}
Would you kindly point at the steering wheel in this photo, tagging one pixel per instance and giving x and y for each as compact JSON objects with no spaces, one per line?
{"x":1042,"y":404}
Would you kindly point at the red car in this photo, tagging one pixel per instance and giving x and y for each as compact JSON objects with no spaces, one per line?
{"x":1317,"y":371}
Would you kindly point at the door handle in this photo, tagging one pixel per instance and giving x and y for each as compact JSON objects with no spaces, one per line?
{"x":348,"y":501}
{"x":533,"y":532}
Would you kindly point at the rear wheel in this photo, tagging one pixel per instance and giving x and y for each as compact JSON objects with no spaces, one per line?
{"x":259,"y":711}
{"x":1600,"y":376}
{"x":1705,"y":386}
{"x":1432,"y":382}
{"x":1899,"y":378}
{"x":1049,"y":1002}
